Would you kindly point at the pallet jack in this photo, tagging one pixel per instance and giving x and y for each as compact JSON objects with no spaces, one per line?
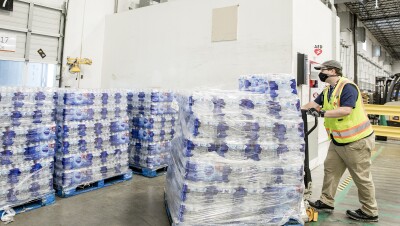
{"x":308,"y":213}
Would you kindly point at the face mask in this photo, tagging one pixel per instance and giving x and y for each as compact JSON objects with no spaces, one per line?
{"x":323,"y":76}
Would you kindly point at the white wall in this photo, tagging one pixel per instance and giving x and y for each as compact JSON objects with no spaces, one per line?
{"x":348,"y":54}
{"x":396,"y":67}
{"x":85,"y":27}
{"x":169,"y":45}
{"x":315,"y":24}
{"x":52,"y":3}
{"x":125,"y":5}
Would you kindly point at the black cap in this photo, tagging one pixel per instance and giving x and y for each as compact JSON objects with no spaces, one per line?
{"x":329,"y":64}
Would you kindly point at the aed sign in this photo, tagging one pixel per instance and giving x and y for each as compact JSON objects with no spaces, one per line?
{"x":318,"y":49}
{"x":8,"y":42}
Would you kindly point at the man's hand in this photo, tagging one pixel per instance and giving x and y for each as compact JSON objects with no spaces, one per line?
{"x":314,"y":112}
{"x":309,"y":105}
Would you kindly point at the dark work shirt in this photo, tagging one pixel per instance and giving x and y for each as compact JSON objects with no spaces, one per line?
{"x":348,"y":98}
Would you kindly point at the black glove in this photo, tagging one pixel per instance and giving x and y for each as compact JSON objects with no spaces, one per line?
{"x":314,"y":112}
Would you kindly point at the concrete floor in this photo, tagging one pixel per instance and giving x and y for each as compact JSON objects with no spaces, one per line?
{"x":385,"y":173}
{"x":141,"y":202}
{"x":138,"y":202}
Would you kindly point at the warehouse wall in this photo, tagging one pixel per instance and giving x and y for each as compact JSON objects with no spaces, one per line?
{"x":396,"y":67}
{"x":85,"y":28}
{"x":52,"y":3}
{"x":169,"y":45}
{"x":154,"y":47}
{"x":125,"y":5}
{"x":314,"y":24}
{"x":371,"y":40}
{"x":367,"y":71}
{"x":346,"y":38}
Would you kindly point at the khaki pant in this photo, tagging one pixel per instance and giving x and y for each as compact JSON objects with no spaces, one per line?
{"x":356,"y":157}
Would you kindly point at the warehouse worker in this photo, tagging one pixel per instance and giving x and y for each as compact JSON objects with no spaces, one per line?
{"x":352,"y":140}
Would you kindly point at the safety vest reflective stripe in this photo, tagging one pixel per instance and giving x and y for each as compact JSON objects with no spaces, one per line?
{"x":352,"y":131}
{"x":340,"y":88}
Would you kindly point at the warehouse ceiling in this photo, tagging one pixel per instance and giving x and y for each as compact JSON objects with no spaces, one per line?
{"x":382,"y":21}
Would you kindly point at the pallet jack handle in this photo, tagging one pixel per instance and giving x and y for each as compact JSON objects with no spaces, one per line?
{"x":311,"y":213}
{"x":314,"y":127}
{"x":307,"y":171}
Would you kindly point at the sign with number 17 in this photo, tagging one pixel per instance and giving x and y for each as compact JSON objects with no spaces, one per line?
{"x":8,"y":42}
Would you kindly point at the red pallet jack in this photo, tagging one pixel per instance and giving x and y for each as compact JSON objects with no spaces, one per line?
{"x":309,"y":214}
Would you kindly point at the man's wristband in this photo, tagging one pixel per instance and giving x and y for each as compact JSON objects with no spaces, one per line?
{"x":322,"y":113}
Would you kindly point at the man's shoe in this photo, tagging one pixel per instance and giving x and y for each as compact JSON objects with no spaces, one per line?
{"x":319,"y":205}
{"x":359,"y":215}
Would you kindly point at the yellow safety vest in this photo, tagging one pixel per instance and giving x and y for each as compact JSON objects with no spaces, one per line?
{"x":352,"y":127}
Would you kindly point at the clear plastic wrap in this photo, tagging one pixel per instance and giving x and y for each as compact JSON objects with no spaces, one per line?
{"x":27,"y":135}
{"x":88,"y":159}
{"x":150,"y":96}
{"x":153,"y":122}
{"x":29,"y":190}
{"x":19,"y":154}
{"x":153,"y":115}
{"x":24,"y":97}
{"x":92,"y":136}
{"x":82,"y":176}
{"x":275,"y":85}
{"x":26,"y":116}
{"x":159,"y":108}
{"x":153,"y":135}
{"x":151,"y":161}
{"x":234,"y":161}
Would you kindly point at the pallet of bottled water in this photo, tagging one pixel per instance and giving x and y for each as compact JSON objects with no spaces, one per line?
{"x":92,"y":140}
{"x":153,"y":115}
{"x":238,"y":156}
{"x":28,"y":132}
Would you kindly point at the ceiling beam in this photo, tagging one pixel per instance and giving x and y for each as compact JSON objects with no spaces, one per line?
{"x":381,"y":18}
{"x":395,"y":45}
{"x":349,"y":1}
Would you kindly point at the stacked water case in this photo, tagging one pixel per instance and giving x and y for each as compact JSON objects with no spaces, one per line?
{"x":238,"y":157}
{"x":27,"y":131}
{"x":152,"y":116}
{"x":92,"y":137}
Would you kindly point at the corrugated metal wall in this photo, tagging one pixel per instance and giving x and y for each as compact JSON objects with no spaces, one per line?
{"x":36,"y":27}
